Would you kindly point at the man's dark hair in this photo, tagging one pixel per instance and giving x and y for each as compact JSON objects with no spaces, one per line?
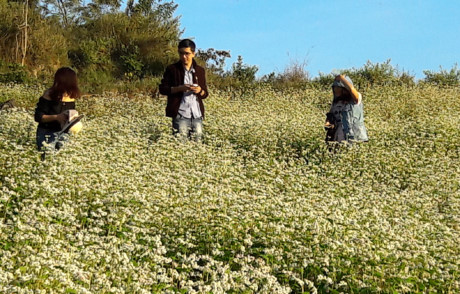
{"x":185,"y":43}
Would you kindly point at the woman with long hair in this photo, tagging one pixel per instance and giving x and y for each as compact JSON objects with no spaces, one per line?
{"x":345,"y":119}
{"x":54,"y":106}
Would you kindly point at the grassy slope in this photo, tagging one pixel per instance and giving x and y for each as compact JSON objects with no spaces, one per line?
{"x":261,"y":206}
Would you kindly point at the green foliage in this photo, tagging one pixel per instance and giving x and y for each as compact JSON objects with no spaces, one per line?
{"x":443,"y":77}
{"x":66,"y":12}
{"x":41,"y":45}
{"x":407,"y":79}
{"x":323,"y":81}
{"x":131,"y":67}
{"x":95,"y":38}
{"x":214,"y":60}
{"x":241,"y":80}
{"x":371,"y":74}
{"x":10,"y":20}
{"x":147,"y":85}
{"x":130,"y":45}
{"x":48,"y":47}
{"x":243,"y":73}
{"x":12,"y":73}
{"x":96,"y":81}
{"x":93,"y":55}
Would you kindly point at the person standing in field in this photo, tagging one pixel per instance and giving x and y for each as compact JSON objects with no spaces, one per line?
{"x":56,"y":108}
{"x":184,"y":82}
{"x":345,"y":119}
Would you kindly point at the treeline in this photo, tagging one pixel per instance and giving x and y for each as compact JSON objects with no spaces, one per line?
{"x":128,"y":50}
{"x":370,"y":74}
{"x":295,"y":75}
{"x":96,"y":38}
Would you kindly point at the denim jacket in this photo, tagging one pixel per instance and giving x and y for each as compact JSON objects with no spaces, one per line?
{"x":353,"y":122}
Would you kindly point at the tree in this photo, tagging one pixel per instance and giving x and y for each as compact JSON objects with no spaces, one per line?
{"x":137,"y":43}
{"x":214,"y":59}
{"x":243,"y":72}
{"x":96,"y":37}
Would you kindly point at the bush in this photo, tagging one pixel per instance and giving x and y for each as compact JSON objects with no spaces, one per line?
{"x":147,"y":86}
{"x":93,"y":55}
{"x":443,"y":77}
{"x":374,"y":74}
{"x":12,"y":73}
{"x":371,"y":74}
{"x":294,"y":76}
{"x":295,"y":73}
{"x":130,"y":65}
{"x":323,"y":81}
{"x":96,"y":81}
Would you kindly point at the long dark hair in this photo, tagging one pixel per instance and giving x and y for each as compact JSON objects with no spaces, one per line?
{"x":65,"y":81}
{"x":346,"y":96}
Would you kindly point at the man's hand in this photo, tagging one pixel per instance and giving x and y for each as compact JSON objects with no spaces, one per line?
{"x":195,"y":89}
{"x":62,"y":118}
{"x":328,"y":125}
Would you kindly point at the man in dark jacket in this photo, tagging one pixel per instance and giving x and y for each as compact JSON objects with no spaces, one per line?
{"x":184,"y":83}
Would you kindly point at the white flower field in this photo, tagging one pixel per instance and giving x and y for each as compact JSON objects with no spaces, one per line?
{"x":261,"y":206}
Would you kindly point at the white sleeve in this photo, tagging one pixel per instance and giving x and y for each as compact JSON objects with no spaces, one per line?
{"x":360,"y":98}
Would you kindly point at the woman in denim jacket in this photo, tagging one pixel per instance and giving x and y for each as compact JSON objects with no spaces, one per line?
{"x":345,"y":119}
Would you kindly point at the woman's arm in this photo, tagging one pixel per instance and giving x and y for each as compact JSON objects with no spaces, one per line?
{"x":353,"y":92}
{"x":61,"y":118}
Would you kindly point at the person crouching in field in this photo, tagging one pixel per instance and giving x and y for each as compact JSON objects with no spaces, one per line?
{"x":345,"y":119}
{"x":56,"y":108}
{"x":184,"y":83}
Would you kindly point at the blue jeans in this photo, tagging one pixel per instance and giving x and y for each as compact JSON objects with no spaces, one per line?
{"x":184,"y":128}
{"x":51,"y":138}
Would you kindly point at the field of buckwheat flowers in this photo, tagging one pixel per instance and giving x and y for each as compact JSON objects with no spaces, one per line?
{"x":260,"y":206}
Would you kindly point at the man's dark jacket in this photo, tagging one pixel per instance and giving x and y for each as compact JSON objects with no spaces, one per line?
{"x":173,"y":77}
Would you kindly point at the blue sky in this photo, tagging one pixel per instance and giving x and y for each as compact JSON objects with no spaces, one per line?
{"x":327,"y":35}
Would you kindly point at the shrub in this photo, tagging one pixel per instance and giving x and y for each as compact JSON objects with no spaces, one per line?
{"x":295,"y":73}
{"x":148,"y":85}
{"x":130,"y":65}
{"x":371,"y":74}
{"x":294,"y":76}
{"x":243,"y":73}
{"x":323,"y":81}
{"x":443,"y":77}
{"x":93,"y":54}
{"x":96,"y":81}
{"x":12,"y":73}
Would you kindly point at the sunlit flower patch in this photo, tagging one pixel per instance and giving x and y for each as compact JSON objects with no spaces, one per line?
{"x":260,"y":206}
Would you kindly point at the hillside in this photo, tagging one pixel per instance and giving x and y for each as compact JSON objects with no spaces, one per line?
{"x":260,"y":206}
